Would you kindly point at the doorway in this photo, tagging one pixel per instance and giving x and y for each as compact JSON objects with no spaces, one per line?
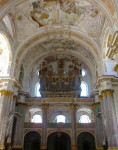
{"x":59,"y":141}
{"x":86,"y":141}
{"x":32,"y":141}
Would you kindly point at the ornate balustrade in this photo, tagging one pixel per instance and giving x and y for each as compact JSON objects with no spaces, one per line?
{"x":60,"y":125}
{"x":60,"y":100}
{"x":86,"y":125}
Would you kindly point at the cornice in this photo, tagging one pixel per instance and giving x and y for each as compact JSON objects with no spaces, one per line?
{"x":31,"y":101}
{"x":6,"y":93}
{"x":113,"y":49}
{"x":105,"y":78}
{"x":11,"y":80}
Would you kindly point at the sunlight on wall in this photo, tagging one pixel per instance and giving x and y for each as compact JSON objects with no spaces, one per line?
{"x":84,"y":88}
{"x":61,"y":118}
{"x":84,"y":119}
{"x":37,"y":119}
{"x":4,"y":56}
{"x":38,"y":94}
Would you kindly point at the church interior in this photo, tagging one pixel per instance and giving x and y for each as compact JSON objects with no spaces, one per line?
{"x":58,"y":74}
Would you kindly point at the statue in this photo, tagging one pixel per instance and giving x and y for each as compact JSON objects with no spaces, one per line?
{"x":9,"y":128}
{"x":105,"y":145}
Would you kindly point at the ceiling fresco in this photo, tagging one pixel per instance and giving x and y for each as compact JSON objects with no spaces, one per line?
{"x":35,"y":14}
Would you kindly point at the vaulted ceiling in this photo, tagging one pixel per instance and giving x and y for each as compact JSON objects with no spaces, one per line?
{"x":75,"y":27}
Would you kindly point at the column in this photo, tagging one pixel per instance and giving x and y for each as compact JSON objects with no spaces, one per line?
{"x":5,"y":116}
{"x":98,"y":126}
{"x":45,"y":108}
{"x":73,"y":124}
{"x":18,"y":127}
{"x":109,"y":116}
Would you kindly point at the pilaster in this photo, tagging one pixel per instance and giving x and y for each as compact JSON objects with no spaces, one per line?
{"x":74,"y":132}
{"x":6,"y":117}
{"x":109,"y":118}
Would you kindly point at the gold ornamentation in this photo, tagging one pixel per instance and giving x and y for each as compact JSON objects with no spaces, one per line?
{"x":99,"y":148}
{"x":101,"y":97}
{"x":17,"y":146}
{"x":107,"y":92}
{"x":15,"y":97}
{"x":113,"y":148}
{"x":96,"y":105}
{"x":43,"y":147}
{"x":6,"y":93}
{"x":2,"y":147}
{"x":74,"y":148}
{"x":116,"y":68}
{"x":22,"y":105}
{"x":113,"y":48}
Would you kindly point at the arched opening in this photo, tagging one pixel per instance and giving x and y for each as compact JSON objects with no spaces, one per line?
{"x":84,"y":119}
{"x":84,"y":89}
{"x":61,"y":119}
{"x":32,"y":141}
{"x":37,"y":119}
{"x":5,"y":56}
{"x":59,"y":141}
{"x":86,"y":141}
{"x":37,"y":90}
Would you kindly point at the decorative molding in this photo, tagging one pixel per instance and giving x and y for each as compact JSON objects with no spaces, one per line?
{"x":107,"y":92}
{"x":101,"y":97}
{"x":6,"y":93}
{"x":99,"y":148}
{"x":60,"y":100}
{"x":106,"y":78}
{"x":116,"y":68}
{"x":113,"y":49}
{"x":11,"y":80}
{"x":2,"y":147}
{"x":113,"y":148}
{"x":15,"y":97}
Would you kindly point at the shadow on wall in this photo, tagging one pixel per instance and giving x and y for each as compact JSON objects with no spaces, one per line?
{"x":32,"y":141}
{"x":59,"y":141}
{"x":86,"y":141}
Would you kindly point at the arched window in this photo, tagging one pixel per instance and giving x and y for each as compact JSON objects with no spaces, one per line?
{"x":37,"y":119}
{"x":84,"y":72}
{"x":37,"y":90}
{"x":84,"y":119}
{"x":5,"y":56}
{"x":61,"y":118}
{"x":84,"y":88}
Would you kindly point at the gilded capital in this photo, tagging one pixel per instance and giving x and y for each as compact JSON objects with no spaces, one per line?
{"x":6,"y":93}
{"x":96,"y":105}
{"x":45,"y":106}
{"x":107,"y":92}
{"x":74,"y":148}
{"x":72,"y":105}
{"x":110,"y":92}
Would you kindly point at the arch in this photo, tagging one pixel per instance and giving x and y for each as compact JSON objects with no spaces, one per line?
{"x":84,"y":119}
{"x":86,"y":141}
{"x":37,"y":119}
{"x":5,"y":55}
{"x":99,"y":4}
{"x":61,"y":118}
{"x":84,"y":88}
{"x":58,"y":140}
{"x":37,"y":90}
{"x":83,"y":110}
{"x":32,"y":141}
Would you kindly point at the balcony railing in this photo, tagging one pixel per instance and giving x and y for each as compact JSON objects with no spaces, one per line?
{"x":60,"y":125}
